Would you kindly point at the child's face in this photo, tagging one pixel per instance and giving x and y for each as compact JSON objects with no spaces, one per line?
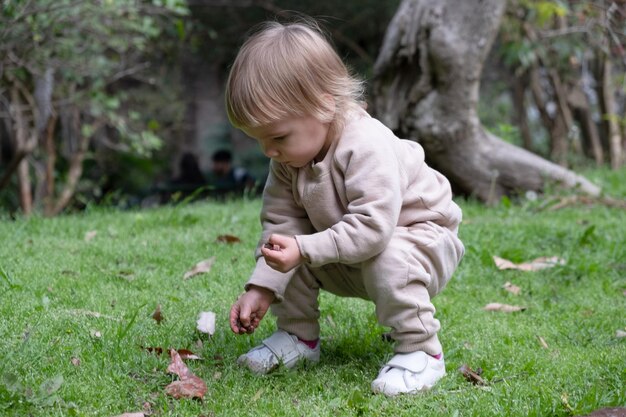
{"x":295,"y":141}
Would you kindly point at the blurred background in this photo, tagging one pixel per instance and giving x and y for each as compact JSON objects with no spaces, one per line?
{"x":120,"y":102}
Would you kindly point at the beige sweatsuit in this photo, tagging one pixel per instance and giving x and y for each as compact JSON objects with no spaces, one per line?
{"x":375,"y":222}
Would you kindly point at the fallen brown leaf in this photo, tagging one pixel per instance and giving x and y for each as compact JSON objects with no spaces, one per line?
{"x":177,"y":366}
{"x":155,"y":350}
{"x":471,"y":375}
{"x":504,"y":308}
{"x":620,"y":334}
{"x":189,"y":385}
{"x":138,"y":414}
{"x":608,"y":412}
{"x":157,"y":316}
{"x":542,"y":342}
{"x":228,"y":239}
{"x":192,"y":387}
{"x":90,"y":235}
{"x":513,"y":289}
{"x":534,"y":265}
{"x":75,"y":361}
{"x":201,"y":267}
{"x":187,"y":354}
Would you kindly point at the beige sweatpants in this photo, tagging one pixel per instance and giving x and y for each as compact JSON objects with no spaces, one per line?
{"x":401,"y":280}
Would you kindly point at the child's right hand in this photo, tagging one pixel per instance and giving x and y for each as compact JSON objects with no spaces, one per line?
{"x":249,"y":309}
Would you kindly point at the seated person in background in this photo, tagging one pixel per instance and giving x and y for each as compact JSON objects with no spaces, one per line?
{"x":225,"y":178}
{"x":188,"y":181}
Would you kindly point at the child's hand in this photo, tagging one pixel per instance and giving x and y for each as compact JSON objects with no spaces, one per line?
{"x":249,"y":309}
{"x":282,"y":253}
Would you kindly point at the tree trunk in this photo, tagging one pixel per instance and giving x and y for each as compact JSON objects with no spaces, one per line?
{"x":75,"y":169}
{"x":518,"y":94}
{"x":426,"y":88}
{"x":608,"y":111}
{"x":592,"y":146}
{"x":26,"y":140}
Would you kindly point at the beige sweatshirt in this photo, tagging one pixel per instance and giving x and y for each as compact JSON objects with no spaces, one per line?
{"x":345,"y":208}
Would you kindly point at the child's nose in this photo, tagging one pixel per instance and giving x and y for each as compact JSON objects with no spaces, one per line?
{"x":270,"y":152}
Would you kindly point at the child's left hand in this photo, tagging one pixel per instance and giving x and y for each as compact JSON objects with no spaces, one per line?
{"x":282,"y":253}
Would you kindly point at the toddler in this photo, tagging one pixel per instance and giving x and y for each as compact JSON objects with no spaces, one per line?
{"x":348,"y":208}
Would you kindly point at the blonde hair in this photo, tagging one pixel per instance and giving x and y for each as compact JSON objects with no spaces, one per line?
{"x":289,"y":70}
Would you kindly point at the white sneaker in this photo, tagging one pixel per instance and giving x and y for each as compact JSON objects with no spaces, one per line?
{"x":409,"y":373}
{"x":281,"y":347}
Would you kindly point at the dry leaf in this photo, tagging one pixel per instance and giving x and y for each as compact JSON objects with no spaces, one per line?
{"x":177,"y":366}
{"x":189,"y":385}
{"x":228,"y":239}
{"x":187,"y":354}
{"x":201,"y":267}
{"x":187,"y":388}
{"x":75,"y":361}
{"x":206,"y":322}
{"x":90,"y":235}
{"x":543,"y":342}
{"x":620,"y":334}
{"x":471,"y":375}
{"x":608,"y":412}
{"x":565,"y":401}
{"x":513,"y":289}
{"x":156,"y":350}
{"x":504,"y":308}
{"x":257,"y":395}
{"x":534,"y":265}
{"x":157,"y":316}
{"x":138,"y":414}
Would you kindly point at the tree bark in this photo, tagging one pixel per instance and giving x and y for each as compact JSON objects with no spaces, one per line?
{"x":51,"y":158}
{"x":75,"y":169}
{"x":518,"y":94}
{"x":25,"y":143}
{"x":608,"y":110}
{"x":592,"y":146}
{"x":426,"y":88}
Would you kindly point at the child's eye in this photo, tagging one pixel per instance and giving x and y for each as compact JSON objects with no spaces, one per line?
{"x":280,"y":138}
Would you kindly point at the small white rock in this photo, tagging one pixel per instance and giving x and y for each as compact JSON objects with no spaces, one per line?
{"x":206,"y":322}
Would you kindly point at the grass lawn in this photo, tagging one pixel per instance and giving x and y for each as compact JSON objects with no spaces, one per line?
{"x":77,"y":306}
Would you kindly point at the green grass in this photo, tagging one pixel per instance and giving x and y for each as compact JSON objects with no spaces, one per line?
{"x":52,"y":279}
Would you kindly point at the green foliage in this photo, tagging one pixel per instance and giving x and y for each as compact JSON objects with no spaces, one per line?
{"x":94,"y":51}
{"x":522,"y":44}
